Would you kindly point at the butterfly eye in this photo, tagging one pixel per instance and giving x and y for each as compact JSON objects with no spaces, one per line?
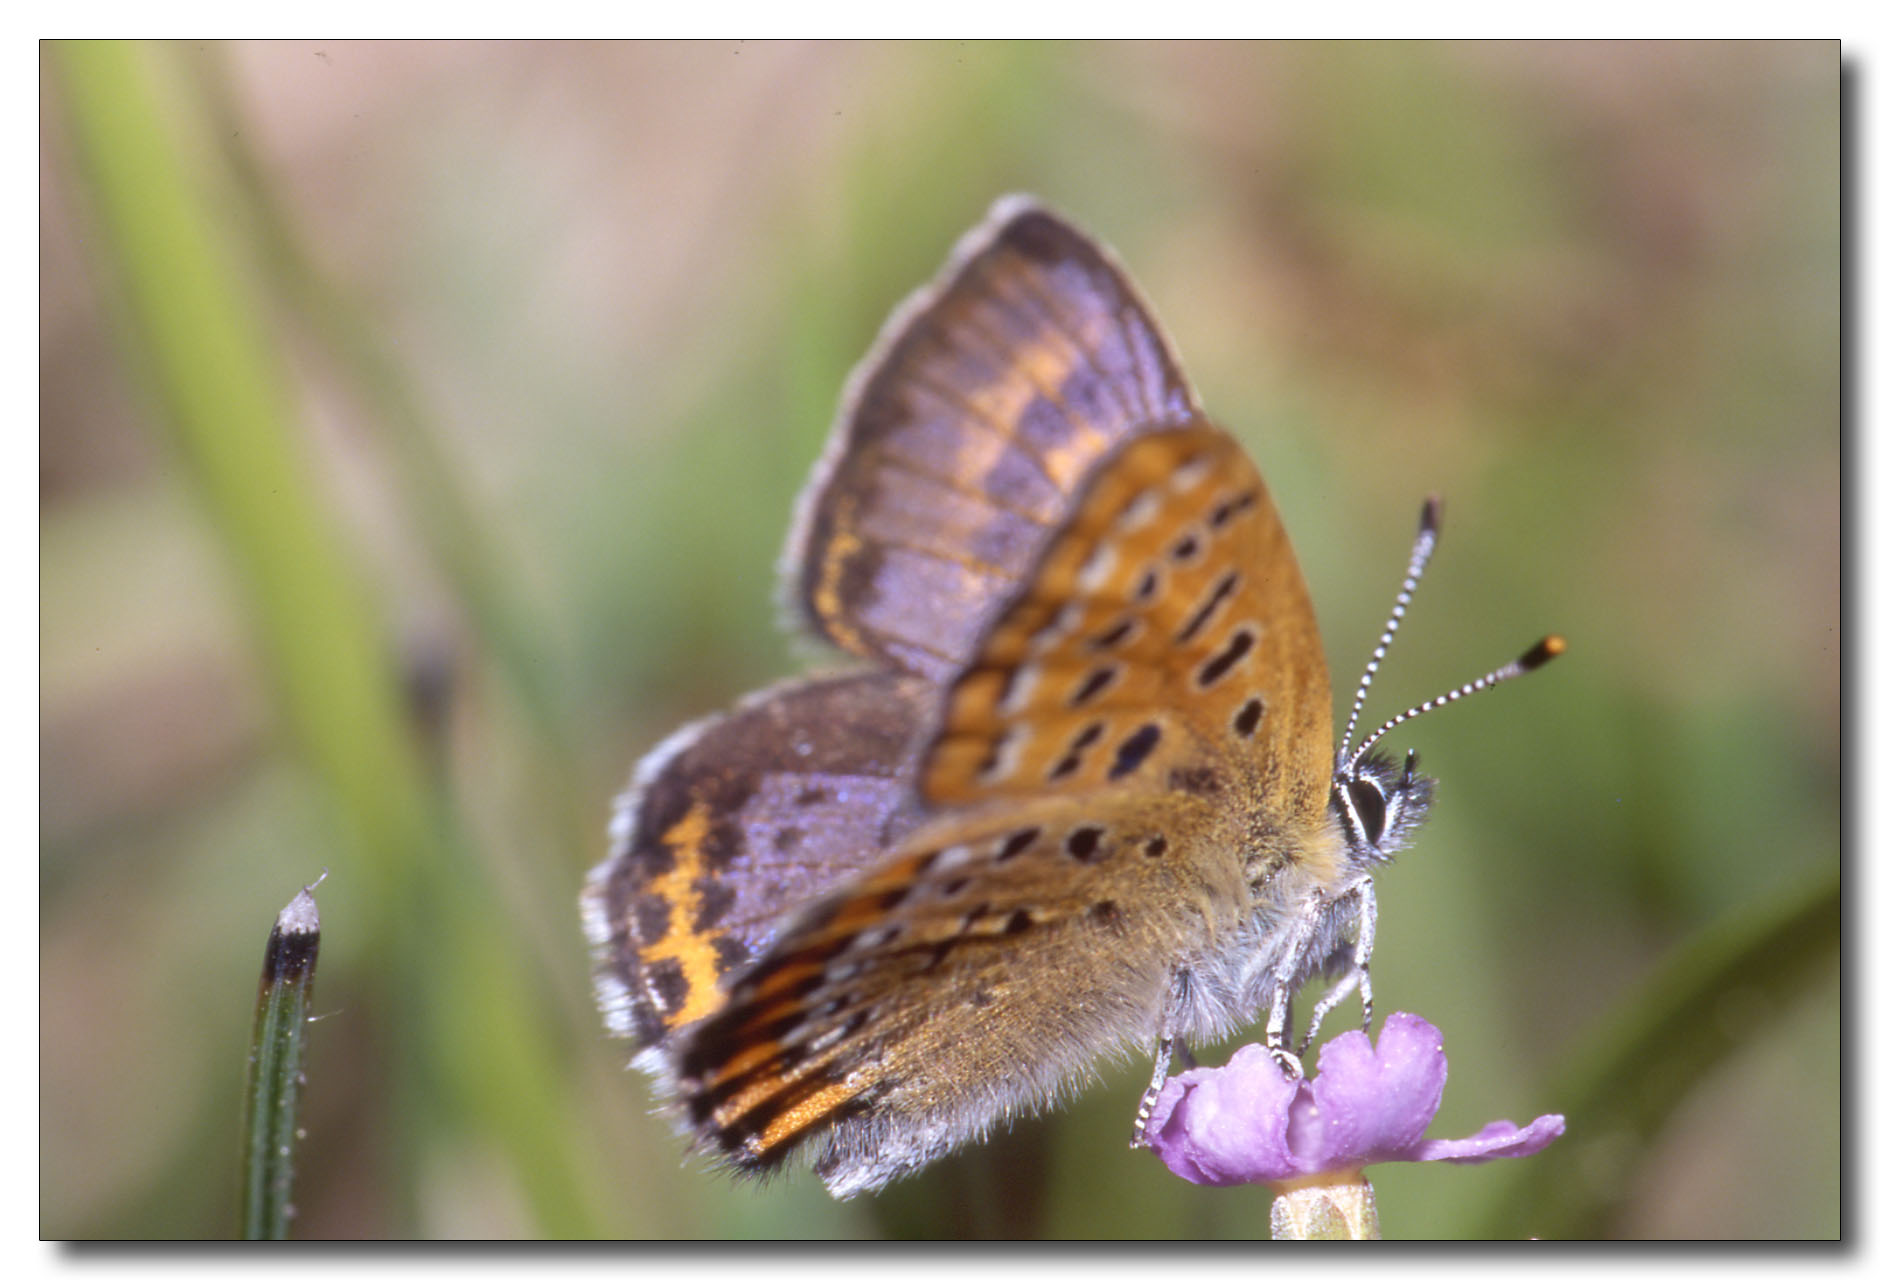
{"x":1379,"y":806}
{"x":1368,"y":805}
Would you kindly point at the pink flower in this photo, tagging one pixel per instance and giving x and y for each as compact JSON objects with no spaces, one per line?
{"x":1249,"y":1122}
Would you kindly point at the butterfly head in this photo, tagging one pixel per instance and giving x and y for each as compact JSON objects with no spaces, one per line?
{"x":1379,"y":805}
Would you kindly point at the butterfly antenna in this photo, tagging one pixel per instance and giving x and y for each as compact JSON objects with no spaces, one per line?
{"x":1420,"y":550}
{"x":1542,"y":652}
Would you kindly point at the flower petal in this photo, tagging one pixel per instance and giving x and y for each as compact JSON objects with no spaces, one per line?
{"x":1496,"y":1141}
{"x":1224,"y":1126}
{"x":1375,"y":1104}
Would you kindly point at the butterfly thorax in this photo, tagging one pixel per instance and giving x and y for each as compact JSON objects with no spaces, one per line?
{"x":1293,"y":880}
{"x":1299,"y":920}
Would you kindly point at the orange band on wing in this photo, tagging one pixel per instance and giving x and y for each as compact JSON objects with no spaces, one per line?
{"x":805,"y":1114}
{"x":684,"y":941}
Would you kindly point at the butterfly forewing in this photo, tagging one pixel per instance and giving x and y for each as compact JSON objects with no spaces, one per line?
{"x":964,"y":436}
{"x":1164,"y":640}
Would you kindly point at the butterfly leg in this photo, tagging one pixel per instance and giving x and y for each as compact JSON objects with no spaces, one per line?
{"x":1276,"y":1038}
{"x":1287,"y":976}
{"x":1279,"y":1017}
{"x":1167,"y":1045}
{"x":1157,"y":1078}
{"x":1358,"y":976}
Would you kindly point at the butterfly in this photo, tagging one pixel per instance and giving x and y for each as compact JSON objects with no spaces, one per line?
{"x":1079,"y":794}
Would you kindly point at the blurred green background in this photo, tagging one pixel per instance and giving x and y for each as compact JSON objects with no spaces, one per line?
{"x":419,"y":428}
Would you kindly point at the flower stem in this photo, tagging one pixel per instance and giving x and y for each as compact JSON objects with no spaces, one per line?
{"x":1340,"y":1206}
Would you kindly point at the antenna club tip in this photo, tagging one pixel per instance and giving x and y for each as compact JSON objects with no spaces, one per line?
{"x":1544,"y":651}
{"x":1431,"y":520}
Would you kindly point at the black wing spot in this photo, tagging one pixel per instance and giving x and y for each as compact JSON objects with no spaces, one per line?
{"x":1134,"y":750}
{"x":1223,"y":588}
{"x":1094,"y":683}
{"x":1114,"y":636}
{"x":1238,"y":646}
{"x":1231,"y":507}
{"x":1073,"y":757}
{"x":1085,"y":844}
{"x":1247,"y":719}
{"x":1016,"y":843}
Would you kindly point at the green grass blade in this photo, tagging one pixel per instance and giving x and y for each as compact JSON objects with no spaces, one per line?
{"x":270,"y":1131}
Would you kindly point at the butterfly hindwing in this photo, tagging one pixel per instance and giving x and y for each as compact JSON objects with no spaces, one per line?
{"x":983,"y":951}
{"x":736,"y":821}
